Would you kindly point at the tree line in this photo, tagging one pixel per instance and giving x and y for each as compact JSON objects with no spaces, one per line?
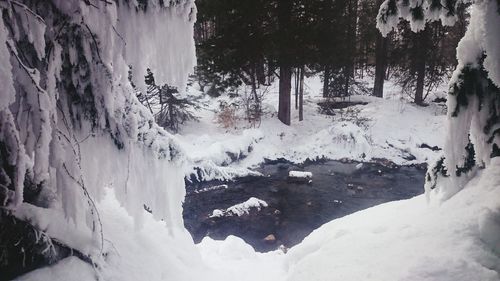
{"x":254,"y":42}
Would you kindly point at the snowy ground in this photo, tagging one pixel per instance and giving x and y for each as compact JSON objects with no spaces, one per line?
{"x":390,"y":128}
{"x":404,"y":240}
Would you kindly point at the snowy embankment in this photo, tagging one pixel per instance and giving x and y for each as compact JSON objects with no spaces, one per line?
{"x":404,"y":240}
{"x":410,"y":240}
{"x":390,"y":128}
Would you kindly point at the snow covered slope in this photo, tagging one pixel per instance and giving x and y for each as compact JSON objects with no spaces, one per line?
{"x":404,"y":240}
{"x":409,"y":240}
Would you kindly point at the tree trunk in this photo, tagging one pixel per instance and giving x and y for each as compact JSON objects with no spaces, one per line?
{"x":285,"y":57}
{"x":349,"y":68}
{"x":261,"y":72}
{"x":301,"y":94}
{"x":419,"y":90}
{"x":297,"y":74}
{"x":421,"y":46}
{"x":380,"y":65}
{"x":326,"y":80}
{"x":285,"y":88}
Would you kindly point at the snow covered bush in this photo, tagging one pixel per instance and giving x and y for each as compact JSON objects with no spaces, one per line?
{"x":473,"y":126}
{"x":70,"y":123}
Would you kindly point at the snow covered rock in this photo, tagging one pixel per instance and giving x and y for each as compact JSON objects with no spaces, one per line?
{"x":241,"y":208}
{"x":300,"y":174}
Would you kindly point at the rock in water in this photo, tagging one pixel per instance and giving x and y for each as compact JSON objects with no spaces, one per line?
{"x":270,"y":238}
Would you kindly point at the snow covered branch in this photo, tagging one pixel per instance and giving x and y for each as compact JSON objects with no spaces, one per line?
{"x":68,"y":110}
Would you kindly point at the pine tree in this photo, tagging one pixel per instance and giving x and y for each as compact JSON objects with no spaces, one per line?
{"x":171,"y":110}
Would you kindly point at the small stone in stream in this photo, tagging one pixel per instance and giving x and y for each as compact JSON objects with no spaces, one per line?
{"x":277,"y":212}
{"x":359,"y":166}
{"x":270,"y":238}
{"x":309,"y":203}
{"x":359,"y":188}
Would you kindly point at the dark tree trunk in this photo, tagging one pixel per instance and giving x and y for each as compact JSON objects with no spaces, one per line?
{"x":326,"y":80}
{"x":297,"y":74}
{"x":260,"y":72}
{"x":285,"y":88}
{"x":285,"y":64}
{"x":380,"y":65}
{"x":421,"y":48}
{"x":419,"y":89}
{"x":301,"y":94}
{"x":349,"y":68}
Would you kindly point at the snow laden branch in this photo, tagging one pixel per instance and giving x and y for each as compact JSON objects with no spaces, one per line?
{"x":473,"y":123}
{"x":70,"y":122}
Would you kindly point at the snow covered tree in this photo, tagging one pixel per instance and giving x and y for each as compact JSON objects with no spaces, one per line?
{"x":172,"y":110}
{"x":473,"y":122}
{"x":422,"y":61}
{"x":70,"y":123}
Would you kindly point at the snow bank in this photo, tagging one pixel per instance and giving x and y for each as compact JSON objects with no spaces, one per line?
{"x":154,"y":252}
{"x":207,"y":170}
{"x":210,"y":155}
{"x":403,"y":240}
{"x":241,"y":208}
{"x":233,"y":259}
{"x":409,"y":240}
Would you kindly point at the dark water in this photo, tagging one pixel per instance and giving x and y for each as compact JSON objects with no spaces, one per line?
{"x":296,"y":208}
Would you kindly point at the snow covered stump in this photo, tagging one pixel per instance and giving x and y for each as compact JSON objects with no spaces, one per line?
{"x":300,"y":177}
